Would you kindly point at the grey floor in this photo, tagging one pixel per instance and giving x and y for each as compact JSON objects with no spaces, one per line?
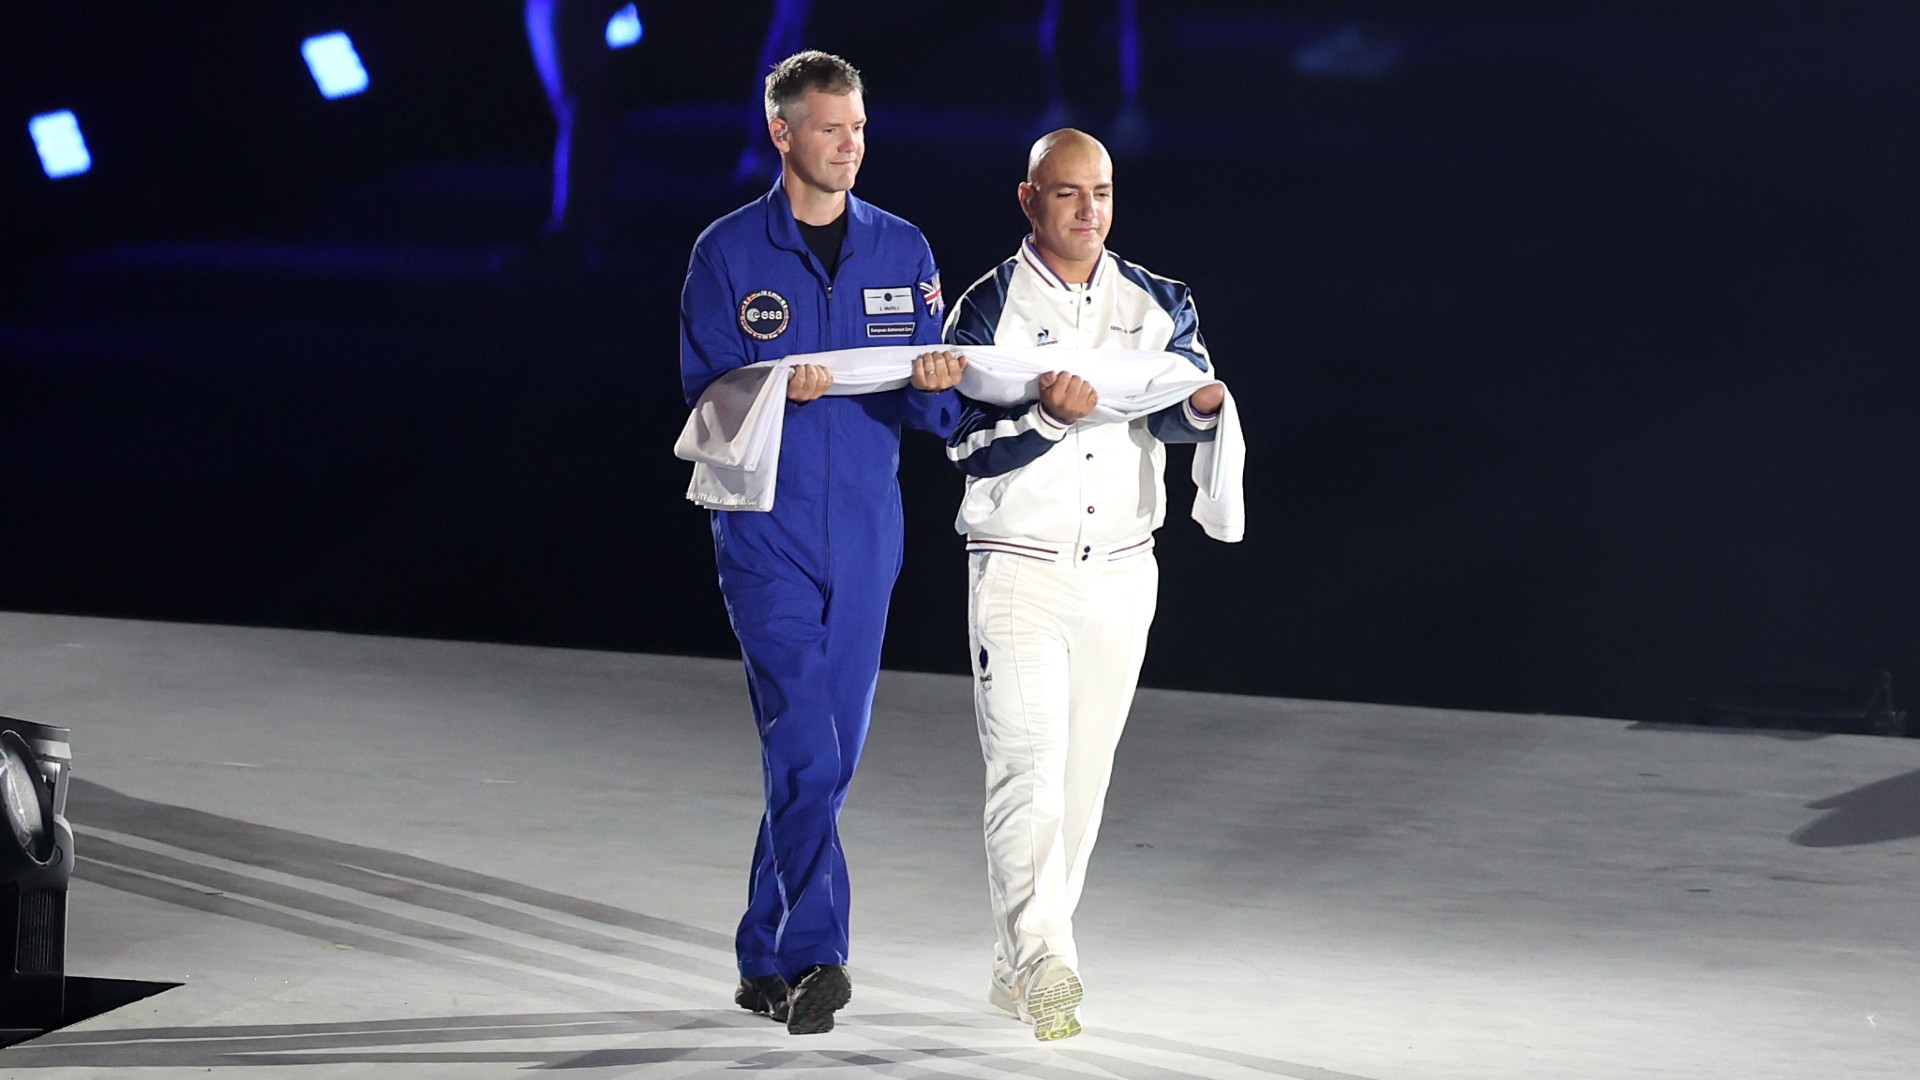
{"x":377,"y":857}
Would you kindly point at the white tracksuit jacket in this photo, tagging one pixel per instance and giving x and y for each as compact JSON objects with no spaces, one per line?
{"x":1033,"y":483}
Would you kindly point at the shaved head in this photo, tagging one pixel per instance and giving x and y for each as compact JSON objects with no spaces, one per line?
{"x":1066,"y":142}
{"x":1068,"y":198}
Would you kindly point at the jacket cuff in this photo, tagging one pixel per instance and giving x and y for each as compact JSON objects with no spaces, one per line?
{"x":1048,"y":427}
{"x":1199,"y":421}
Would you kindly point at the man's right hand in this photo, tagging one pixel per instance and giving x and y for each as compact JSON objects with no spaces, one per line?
{"x":808,"y":381}
{"x":1067,"y":397}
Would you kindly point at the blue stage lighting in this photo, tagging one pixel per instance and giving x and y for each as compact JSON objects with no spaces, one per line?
{"x":63,"y":150}
{"x":624,"y":28}
{"x":335,"y":66}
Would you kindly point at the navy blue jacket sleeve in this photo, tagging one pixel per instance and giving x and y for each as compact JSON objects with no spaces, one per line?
{"x":1186,"y":338}
{"x":969,"y":323}
{"x":1173,"y":424}
{"x":991,"y":440}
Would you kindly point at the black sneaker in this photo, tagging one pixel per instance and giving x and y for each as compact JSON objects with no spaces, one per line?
{"x":765,"y":995}
{"x":822,"y":991}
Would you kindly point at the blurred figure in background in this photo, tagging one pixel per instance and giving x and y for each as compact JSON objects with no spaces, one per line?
{"x":786,"y":34}
{"x":1128,"y":133}
{"x":571,"y":51}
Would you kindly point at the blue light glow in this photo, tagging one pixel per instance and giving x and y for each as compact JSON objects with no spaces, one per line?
{"x":335,"y":66}
{"x":624,"y":28}
{"x":63,"y":150}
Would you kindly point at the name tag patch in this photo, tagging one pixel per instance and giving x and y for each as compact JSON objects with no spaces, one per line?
{"x":889,"y":329}
{"x":895,"y":301}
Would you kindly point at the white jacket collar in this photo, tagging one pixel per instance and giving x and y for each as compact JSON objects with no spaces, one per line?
{"x":1030,"y":255}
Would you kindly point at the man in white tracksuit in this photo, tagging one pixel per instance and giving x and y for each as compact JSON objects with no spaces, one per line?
{"x":1059,"y":515}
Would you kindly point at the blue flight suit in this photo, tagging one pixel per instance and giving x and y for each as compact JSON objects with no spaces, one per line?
{"x":807,"y":583}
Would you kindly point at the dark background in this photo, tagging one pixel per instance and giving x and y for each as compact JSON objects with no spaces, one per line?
{"x":1575,"y":351}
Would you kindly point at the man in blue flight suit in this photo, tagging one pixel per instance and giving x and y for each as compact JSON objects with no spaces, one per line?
{"x":809,"y":268}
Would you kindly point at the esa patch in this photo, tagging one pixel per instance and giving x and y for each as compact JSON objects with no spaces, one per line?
{"x":889,"y":329}
{"x":764,"y":315}
{"x":895,"y":301}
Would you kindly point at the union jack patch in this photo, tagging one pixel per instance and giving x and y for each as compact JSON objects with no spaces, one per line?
{"x":930,"y":292}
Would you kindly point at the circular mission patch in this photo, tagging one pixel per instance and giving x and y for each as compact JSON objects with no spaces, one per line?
{"x":764,"y":315}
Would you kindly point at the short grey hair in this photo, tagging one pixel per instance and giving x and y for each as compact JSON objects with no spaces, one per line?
{"x":791,"y":78}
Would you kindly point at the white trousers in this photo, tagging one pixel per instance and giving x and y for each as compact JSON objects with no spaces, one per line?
{"x":1057,"y":648}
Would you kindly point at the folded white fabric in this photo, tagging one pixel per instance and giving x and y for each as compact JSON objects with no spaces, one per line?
{"x":733,"y":435}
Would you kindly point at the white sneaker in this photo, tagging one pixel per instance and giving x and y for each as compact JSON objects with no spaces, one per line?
{"x":1049,"y":999}
{"x":1000,"y":996}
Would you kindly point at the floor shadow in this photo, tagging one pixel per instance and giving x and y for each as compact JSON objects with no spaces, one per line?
{"x":685,"y":1038}
{"x":87,"y":998}
{"x":422,"y":893}
{"x":154,"y":849}
{"x":1781,"y":733}
{"x":392,"y":1041}
{"x":1884,"y":810}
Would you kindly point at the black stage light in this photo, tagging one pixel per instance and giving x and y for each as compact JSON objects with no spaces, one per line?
{"x":36,"y":865}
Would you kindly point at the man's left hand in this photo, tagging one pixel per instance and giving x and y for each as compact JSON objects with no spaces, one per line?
{"x":937,"y":370}
{"x":1206,"y":400}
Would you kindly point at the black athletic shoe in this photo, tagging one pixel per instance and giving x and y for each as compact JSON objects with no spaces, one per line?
{"x":822,"y":991}
{"x":765,"y":995}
